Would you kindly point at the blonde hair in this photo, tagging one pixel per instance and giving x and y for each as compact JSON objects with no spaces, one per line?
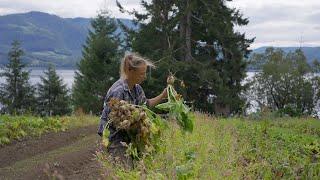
{"x":132,"y":61}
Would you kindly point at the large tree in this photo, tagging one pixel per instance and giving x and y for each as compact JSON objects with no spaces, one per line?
{"x":197,"y":40}
{"x":53,"y":98}
{"x":16,"y":94}
{"x":97,"y":68}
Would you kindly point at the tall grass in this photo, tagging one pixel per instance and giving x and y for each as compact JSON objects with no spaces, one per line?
{"x":233,"y":148}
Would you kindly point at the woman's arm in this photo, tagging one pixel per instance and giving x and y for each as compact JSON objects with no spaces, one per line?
{"x":156,"y":100}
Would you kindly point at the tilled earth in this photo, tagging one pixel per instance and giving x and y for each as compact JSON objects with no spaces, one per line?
{"x":62,"y":155}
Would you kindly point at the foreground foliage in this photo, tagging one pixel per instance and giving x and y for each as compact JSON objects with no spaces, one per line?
{"x":232,"y":149}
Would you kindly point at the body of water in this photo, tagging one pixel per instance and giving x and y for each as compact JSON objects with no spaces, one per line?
{"x":68,"y":78}
{"x":66,"y":74}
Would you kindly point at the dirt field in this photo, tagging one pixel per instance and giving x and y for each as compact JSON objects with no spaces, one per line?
{"x":63,"y":155}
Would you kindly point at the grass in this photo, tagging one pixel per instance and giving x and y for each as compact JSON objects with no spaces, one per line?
{"x":218,"y":148}
{"x":19,"y":127}
{"x":234,"y":148}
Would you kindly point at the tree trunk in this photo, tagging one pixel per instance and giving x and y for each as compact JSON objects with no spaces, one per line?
{"x":188,"y":55}
{"x":182,"y":37}
{"x":185,"y":33}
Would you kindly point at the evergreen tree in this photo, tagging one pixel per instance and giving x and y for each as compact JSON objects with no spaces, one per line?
{"x":98,"y":68}
{"x":16,"y":94}
{"x":53,"y":96}
{"x":196,"y":39}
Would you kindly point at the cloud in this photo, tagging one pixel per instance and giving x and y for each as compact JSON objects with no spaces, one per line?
{"x":314,"y":17}
{"x":281,"y":23}
{"x":283,"y":33}
{"x":70,"y":8}
{"x":8,"y":10}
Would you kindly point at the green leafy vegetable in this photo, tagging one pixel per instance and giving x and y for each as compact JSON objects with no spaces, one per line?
{"x":178,"y":110}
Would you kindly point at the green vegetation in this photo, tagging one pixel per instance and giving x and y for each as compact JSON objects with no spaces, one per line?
{"x":16,"y":94}
{"x":19,"y":127}
{"x":53,"y":98}
{"x":177,"y":109}
{"x":98,"y":68}
{"x":218,"y":148}
{"x":197,"y":41}
{"x":286,"y":82}
{"x":232,"y":149}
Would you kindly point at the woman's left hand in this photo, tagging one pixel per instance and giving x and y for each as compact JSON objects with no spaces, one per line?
{"x":156,"y":100}
{"x":164,"y":94}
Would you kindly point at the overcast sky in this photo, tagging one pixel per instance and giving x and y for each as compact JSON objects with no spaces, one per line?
{"x":272,"y":22}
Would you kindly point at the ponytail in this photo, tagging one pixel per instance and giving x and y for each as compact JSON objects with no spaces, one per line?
{"x":132,"y":61}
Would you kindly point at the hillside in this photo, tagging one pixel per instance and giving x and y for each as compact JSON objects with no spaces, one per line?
{"x":50,"y":38}
{"x":311,"y":53}
{"x":45,"y":37}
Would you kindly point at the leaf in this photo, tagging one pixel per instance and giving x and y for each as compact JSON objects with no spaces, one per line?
{"x":165,"y":106}
{"x":171,"y":94}
{"x":188,"y":120}
{"x":178,"y":110}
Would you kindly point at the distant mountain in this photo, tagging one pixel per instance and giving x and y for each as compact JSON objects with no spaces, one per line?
{"x":46,"y":37}
{"x":311,"y":53}
{"x":50,"y":38}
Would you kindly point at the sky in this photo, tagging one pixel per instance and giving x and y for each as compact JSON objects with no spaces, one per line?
{"x":272,"y":22}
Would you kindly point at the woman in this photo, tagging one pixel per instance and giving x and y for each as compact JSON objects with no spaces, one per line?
{"x":133,"y":72}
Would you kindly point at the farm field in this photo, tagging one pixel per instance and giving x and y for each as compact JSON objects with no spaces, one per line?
{"x":65,"y":150}
{"x":218,"y":148}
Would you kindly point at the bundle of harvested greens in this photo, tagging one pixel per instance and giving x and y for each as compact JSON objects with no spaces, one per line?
{"x":176,"y":107}
{"x":123,"y":115}
{"x":142,"y":125}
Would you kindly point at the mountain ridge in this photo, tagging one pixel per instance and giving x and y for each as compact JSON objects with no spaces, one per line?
{"x":48,"y":38}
